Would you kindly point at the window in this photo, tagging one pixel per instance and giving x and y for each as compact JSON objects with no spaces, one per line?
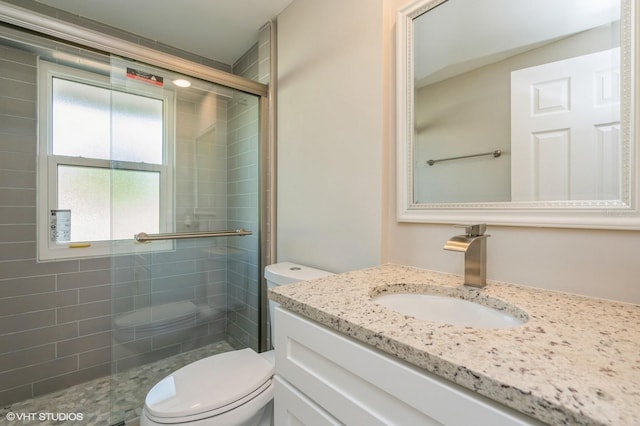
{"x":104,"y":163}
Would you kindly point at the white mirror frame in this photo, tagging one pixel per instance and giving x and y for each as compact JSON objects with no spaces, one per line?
{"x":609,"y":214}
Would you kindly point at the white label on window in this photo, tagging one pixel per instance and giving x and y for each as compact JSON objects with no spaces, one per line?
{"x":60,"y":225}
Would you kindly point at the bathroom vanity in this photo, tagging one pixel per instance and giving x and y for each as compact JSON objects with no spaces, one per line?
{"x":343,"y":358}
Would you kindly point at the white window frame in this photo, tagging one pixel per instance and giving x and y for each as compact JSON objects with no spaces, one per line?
{"x":48,"y":164}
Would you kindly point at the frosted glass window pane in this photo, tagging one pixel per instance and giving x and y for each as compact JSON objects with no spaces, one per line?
{"x":137,"y":128}
{"x":136,"y":203}
{"x":81,"y":120}
{"x":94,"y":122}
{"x":109,"y":204}
{"x":86,"y":192}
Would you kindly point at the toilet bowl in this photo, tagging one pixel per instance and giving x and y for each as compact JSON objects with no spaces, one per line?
{"x":232,"y":389}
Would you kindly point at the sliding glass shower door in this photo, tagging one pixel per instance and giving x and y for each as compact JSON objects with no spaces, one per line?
{"x":188,"y":293}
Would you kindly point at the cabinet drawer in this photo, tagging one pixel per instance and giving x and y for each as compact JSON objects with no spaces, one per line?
{"x":292,"y":408}
{"x":358,"y":385}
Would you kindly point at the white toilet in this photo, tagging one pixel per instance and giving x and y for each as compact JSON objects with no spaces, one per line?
{"x":233,"y":388}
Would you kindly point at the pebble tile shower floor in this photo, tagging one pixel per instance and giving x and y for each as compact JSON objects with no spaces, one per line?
{"x":107,"y":400}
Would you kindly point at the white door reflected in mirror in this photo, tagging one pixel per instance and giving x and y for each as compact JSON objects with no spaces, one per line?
{"x":565,"y":129}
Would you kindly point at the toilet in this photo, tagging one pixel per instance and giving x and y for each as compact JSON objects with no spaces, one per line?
{"x":234,"y":388}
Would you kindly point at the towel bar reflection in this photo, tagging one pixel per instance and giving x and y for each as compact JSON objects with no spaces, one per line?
{"x":143,"y":237}
{"x":497,"y":153}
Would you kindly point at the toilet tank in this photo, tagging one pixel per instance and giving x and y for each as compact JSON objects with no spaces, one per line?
{"x":287,"y":273}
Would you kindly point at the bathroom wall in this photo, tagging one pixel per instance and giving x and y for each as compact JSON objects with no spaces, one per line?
{"x":330,"y":133}
{"x":336,"y":108}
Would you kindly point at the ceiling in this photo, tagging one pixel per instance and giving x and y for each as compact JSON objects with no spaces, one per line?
{"x":456,"y":37}
{"x":222,"y":30}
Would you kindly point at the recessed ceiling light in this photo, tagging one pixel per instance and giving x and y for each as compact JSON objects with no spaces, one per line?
{"x":181,"y":82}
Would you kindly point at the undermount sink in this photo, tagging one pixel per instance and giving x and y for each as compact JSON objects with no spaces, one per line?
{"x":447,"y":310}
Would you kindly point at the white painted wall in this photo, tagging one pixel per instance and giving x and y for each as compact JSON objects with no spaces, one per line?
{"x":330,"y":134}
{"x":337,"y":168}
{"x":590,"y":262}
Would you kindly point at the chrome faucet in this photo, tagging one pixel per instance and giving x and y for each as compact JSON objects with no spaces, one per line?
{"x":474,"y":246}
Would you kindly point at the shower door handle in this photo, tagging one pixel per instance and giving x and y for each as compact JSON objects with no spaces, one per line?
{"x":143,"y":237}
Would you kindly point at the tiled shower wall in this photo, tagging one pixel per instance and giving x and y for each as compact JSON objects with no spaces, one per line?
{"x":243,"y":185}
{"x":56,"y":318}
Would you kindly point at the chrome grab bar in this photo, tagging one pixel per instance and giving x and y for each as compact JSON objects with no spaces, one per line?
{"x":497,"y":153}
{"x":143,"y":237}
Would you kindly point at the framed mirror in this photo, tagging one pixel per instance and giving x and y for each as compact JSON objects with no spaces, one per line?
{"x":518,"y":112}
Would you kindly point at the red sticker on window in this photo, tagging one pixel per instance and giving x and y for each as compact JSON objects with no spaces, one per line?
{"x":156,"y":80}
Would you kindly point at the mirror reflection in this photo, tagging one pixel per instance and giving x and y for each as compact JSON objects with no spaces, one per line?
{"x":517,"y":101}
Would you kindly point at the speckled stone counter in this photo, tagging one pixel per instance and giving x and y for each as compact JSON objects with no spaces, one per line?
{"x":575,"y":361}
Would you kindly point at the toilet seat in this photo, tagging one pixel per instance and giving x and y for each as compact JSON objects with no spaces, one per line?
{"x":209,"y":387}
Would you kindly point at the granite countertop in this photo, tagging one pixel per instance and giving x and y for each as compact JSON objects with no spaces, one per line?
{"x":575,"y":361}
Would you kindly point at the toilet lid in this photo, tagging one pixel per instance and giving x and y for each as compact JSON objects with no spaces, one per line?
{"x":211,"y":384}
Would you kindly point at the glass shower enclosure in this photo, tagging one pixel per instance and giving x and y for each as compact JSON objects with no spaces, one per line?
{"x":149,"y":185}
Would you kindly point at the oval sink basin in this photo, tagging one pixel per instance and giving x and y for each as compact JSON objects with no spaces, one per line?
{"x":447,"y":310}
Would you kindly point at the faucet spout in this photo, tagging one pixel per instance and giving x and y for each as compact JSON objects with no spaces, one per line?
{"x":474,"y":246}
{"x":461,"y":243}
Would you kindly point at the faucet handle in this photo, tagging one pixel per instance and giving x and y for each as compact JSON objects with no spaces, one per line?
{"x":473,"y":230}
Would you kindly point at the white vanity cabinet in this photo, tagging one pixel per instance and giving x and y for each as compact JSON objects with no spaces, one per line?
{"x":326,"y":378}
